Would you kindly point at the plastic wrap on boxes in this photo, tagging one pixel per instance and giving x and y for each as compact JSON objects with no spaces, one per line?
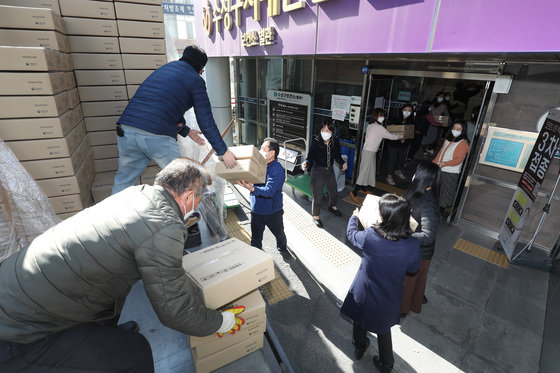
{"x":25,"y":211}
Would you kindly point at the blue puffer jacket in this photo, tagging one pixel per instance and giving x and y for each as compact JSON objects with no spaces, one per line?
{"x":267,"y":197}
{"x":164,"y":97}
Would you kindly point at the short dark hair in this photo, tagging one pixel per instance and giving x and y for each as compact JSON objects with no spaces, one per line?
{"x":427,"y":175}
{"x":273,"y":145}
{"x":330,"y":125}
{"x":395,"y":217}
{"x":183,"y":174}
{"x":195,"y":56}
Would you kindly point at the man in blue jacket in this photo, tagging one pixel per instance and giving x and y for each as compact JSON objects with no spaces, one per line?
{"x":266,"y":200}
{"x":147,"y":129}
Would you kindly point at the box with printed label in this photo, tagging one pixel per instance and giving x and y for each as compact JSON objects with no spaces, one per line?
{"x":58,"y":167}
{"x":30,"y":59}
{"x":27,"y":150}
{"x":49,"y":4}
{"x":87,"y":9}
{"x":30,"y":18}
{"x":97,"y":61}
{"x":99,"y":77}
{"x":139,"y":12}
{"x":20,"y":83}
{"x":143,"y":46}
{"x":141,"y":29}
{"x":102,"y":138}
{"x":226,"y":356}
{"x":105,"y":151}
{"x":152,"y":2}
{"x":91,"y":26}
{"x":77,"y":184}
{"x":131,"y":90}
{"x":103,"y":108}
{"x":94,"y":44}
{"x":69,"y":203}
{"x":228,"y":270}
{"x":28,"y":129}
{"x":34,"y":38}
{"x":251,"y":166}
{"x":34,"y":106}
{"x":104,"y":165}
{"x":103,"y":93}
{"x":101,"y":123}
{"x":102,"y":186}
{"x":407,"y":130}
{"x":136,"y":76}
{"x":143,"y":61}
{"x":149,"y":175}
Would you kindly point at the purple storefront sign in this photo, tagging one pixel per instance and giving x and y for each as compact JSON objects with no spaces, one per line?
{"x":387,"y":26}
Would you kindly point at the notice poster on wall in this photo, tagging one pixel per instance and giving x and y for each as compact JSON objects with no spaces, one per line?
{"x":340,"y":106}
{"x":531,"y":180}
{"x":289,"y":114}
{"x":507,"y":148}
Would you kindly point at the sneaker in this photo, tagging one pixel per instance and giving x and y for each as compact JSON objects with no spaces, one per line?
{"x":400,"y":174}
{"x":390,"y":180}
{"x":286,"y":255}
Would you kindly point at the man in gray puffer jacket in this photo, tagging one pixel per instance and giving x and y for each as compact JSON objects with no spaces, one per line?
{"x":60,"y":296}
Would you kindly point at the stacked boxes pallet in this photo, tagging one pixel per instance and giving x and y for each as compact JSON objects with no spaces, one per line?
{"x":40,"y":114}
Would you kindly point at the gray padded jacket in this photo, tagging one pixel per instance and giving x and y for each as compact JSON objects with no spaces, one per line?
{"x":81,"y":270}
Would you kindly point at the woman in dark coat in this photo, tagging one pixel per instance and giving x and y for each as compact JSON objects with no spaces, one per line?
{"x":374,"y":298}
{"x":422,"y":197}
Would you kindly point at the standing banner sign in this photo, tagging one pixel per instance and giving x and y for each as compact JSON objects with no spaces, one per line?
{"x":531,"y":180}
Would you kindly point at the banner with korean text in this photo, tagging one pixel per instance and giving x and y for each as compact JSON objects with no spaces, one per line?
{"x":531,"y":180}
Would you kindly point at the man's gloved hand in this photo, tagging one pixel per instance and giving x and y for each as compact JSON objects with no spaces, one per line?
{"x":231,"y":322}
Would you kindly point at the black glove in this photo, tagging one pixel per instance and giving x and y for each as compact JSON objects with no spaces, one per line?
{"x":183,"y":130}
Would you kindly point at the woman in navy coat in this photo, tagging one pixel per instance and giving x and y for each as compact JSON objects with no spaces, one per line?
{"x":374,"y":298}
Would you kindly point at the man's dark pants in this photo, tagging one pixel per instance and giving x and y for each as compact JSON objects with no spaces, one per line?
{"x":274,"y":222}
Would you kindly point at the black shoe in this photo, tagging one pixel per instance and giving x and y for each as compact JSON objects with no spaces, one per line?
{"x":359,"y":352}
{"x":382,"y":368}
{"x":336,"y":212}
{"x":424,"y":300}
{"x":318,"y":223}
{"x":131,"y":326}
{"x":286,"y":255}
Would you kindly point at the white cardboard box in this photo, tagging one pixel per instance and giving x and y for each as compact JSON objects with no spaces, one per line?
{"x":91,"y":26}
{"x":139,"y":12}
{"x":369,"y":213}
{"x":136,"y":76}
{"x":49,"y":4}
{"x":94,"y":44}
{"x":142,"y":46}
{"x":99,"y":77}
{"x":30,"y":59}
{"x":36,"y":83}
{"x":226,"y":356}
{"x":152,"y":2}
{"x":34,"y":106}
{"x":101,"y":123}
{"x":102,"y":186}
{"x":103,"y":108}
{"x":143,"y":61}
{"x":97,"y":61}
{"x":228,"y":270}
{"x":102,"y":138}
{"x":87,"y":9}
{"x":251,"y":165}
{"x":35,"y":38}
{"x":77,"y":184}
{"x":105,"y":151}
{"x":30,"y":18}
{"x":131,"y":89}
{"x":140,"y":29}
{"x":105,"y":165}
{"x":103,"y":93}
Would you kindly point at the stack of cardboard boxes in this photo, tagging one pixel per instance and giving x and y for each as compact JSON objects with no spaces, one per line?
{"x":228,"y":275}
{"x":40,"y":115}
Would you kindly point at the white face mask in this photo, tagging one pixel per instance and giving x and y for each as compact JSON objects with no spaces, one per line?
{"x":264,"y":153}
{"x":325,"y":135}
{"x":455,"y":133}
{"x":188,"y":214}
{"x":430,"y":108}
{"x":440,"y":99}
{"x":447,"y":98}
{"x":406,"y":114}
{"x":380,"y":120}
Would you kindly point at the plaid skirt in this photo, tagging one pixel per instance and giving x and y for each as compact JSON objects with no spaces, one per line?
{"x":447,"y":188}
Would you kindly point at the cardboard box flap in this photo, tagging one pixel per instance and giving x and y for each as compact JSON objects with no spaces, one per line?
{"x":369,"y":213}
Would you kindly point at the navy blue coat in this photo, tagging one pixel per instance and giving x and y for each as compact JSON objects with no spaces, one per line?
{"x":267,"y":197}
{"x":374,"y":299}
{"x":164,"y":97}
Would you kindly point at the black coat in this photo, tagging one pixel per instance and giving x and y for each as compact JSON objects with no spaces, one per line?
{"x":425,"y":211}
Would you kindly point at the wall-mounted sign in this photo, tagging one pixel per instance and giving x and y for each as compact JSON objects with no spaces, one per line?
{"x":507,"y":148}
{"x":289,"y":114}
{"x":181,"y":9}
{"x":340,"y":106}
{"x":263,"y":37}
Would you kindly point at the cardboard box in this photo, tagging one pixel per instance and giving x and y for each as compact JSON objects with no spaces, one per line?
{"x":69,"y":203}
{"x":21,"y":83}
{"x":33,"y":38}
{"x":105,"y":165}
{"x":67,"y":64}
{"x":141,"y":29}
{"x":97,"y":61}
{"x":74,"y":97}
{"x":131,"y":90}
{"x":102,"y":186}
{"x":30,"y":59}
{"x":59,"y":167}
{"x":30,"y":18}
{"x":251,"y":165}
{"x":103,"y":108}
{"x":143,"y":61}
{"x":255,"y":321}
{"x":443,"y":120}
{"x":77,"y":184}
{"x":369,"y":213}
{"x":228,"y":270}
{"x":152,"y":2}
{"x":34,"y":106}
{"x":94,"y":44}
{"x":105,"y":151}
{"x":27,"y":150}
{"x":226,"y":356}
{"x":99,"y":77}
{"x":144,"y":46}
{"x":87,"y":9}
{"x":49,"y":4}
{"x":45,"y":128}
{"x":101,"y":123}
{"x":91,"y":26}
{"x":102,"y":138}
{"x":136,"y":76}
{"x":103,"y":93}
{"x":149,"y":175}
{"x":69,"y":79}
{"x":139,"y":12}
{"x":66,"y":215}
{"x":407,"y":130}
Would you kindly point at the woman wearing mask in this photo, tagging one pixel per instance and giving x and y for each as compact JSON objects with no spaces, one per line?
{"x":374,"y":299}
{"x":324,"y":151}
{"x":434,"y":131}
{"x":397,"y":150}
{"x":450,"y":159}
{"x":422,"y":195}
{"x":374,"y":135}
